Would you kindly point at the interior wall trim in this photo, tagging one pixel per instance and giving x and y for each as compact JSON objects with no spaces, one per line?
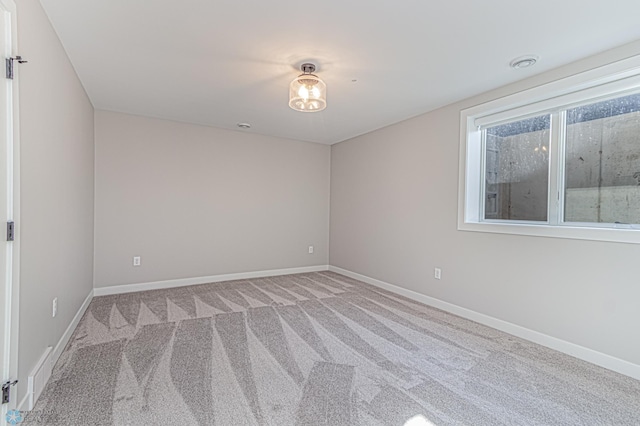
{"x":62,"y":343}
{"x":158,"y":285}
{"x":598,"y":358}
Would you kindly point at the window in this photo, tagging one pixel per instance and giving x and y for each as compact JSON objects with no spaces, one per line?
{"x":517,"y":170}
{"x":602,"y":162}
{"x":558,"y":160}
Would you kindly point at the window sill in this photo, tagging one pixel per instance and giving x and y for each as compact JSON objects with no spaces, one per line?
{"x":618,"y":235}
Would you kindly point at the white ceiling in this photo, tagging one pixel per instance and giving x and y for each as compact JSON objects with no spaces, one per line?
{"x":220,"y":62}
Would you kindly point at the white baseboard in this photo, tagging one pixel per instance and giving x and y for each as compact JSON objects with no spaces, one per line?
{"x":62,"y":343}
{"x":157,"y":285}
{"x":27,"y":402}
{"x":603,"y":360}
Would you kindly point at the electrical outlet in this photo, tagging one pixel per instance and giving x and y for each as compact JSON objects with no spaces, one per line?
{"x":437,"y":273}
{"x":54,"y":308}
{"x":310,"y":249}
{"x":136,"y":261}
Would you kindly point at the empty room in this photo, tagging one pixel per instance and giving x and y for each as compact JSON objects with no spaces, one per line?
{"x":337,"y":213}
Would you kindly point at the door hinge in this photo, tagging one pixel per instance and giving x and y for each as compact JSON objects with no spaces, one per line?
{"x":9,"y":65}
{"x":6,"y":391}
{"x":11,"y":231}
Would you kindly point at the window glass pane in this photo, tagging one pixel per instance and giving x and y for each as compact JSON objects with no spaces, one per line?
{"x":517,"y":170}
{"x":602,"y":166}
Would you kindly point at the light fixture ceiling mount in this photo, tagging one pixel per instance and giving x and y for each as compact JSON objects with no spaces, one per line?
{"x":307,"y":92}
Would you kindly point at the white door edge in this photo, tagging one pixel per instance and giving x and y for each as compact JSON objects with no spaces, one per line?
{"x":10,"y":280}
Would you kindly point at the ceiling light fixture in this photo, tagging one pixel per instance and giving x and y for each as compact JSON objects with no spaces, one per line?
{"x":307,"y":92}
{"x":244,"y":125}
{"x":524,"y":62}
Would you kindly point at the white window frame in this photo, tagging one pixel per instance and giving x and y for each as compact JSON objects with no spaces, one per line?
{"x":609,"y":81}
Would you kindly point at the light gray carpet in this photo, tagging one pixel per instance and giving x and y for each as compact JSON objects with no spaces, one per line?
{"x":314,"y":349}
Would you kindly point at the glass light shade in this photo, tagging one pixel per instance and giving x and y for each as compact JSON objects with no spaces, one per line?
{"x":308,"y":93}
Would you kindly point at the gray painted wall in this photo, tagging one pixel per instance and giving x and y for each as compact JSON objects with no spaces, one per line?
{"x":56,"y":172}
{"x":394,"y":210}
{"x":197,"y":201}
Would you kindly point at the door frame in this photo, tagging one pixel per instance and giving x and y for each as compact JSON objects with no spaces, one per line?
{"x":11,"y":284}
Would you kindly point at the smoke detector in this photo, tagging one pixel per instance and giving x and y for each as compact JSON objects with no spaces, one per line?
{"x":524,"y":62}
